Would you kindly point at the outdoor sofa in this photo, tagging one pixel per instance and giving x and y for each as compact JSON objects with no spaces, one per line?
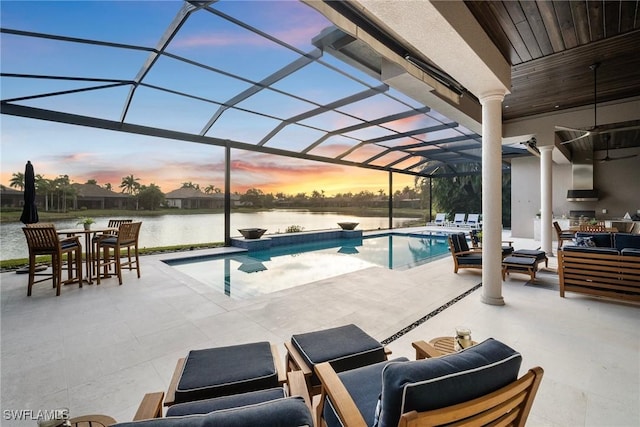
{"x":601,"y":264}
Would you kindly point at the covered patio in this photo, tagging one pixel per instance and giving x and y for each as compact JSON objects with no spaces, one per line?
{"x":99,"y":349}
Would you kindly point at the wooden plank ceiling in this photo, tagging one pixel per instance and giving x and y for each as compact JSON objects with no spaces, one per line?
{"x":551,"y":45}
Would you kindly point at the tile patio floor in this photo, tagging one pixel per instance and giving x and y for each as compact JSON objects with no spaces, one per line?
{"x":100,"y":348}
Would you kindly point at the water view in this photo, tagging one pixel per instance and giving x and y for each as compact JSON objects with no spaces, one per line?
{"x":167,"y":230}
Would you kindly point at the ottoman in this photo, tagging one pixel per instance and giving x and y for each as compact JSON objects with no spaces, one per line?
{"x":519,"y":264}
{"x":539,"y":256}
{"x":345,"y":347}
{"x":224,"y":371}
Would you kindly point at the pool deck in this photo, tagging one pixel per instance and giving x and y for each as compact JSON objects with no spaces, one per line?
{"x":100,"y":348}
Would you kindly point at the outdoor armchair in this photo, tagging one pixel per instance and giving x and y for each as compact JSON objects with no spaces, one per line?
{"x":281,"y":407}
{"x":563,"y":235}
{"x":463,"y":256}
{"x":477,"y":386}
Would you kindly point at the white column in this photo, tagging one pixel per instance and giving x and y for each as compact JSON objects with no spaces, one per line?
{"x":546,"y":199}
{"x":492,"y":197}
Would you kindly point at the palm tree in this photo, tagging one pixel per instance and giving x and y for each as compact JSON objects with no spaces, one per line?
{"x":44,"y":185}
{"x":130,"y":184}
{"x":17,"y":180}
{"x":190,"y":185}
{"x":212,"y":189}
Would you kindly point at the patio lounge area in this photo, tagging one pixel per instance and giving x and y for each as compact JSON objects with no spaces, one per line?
{"x":99,"y":349}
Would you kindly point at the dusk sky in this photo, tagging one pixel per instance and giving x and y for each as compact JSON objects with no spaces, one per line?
{"x":85,"y":153}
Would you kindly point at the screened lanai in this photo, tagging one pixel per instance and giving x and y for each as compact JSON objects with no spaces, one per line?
{"x":268,"y":77}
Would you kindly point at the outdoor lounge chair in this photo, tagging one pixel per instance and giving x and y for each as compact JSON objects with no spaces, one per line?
{"x":463,"y":256}
{"x":224,"y":371}
{"x":507,"y":245}
{"x":473,"y":221}
{"x":345,"y":347}
{"x":286,"y":407}
{"x":458,"y":219}
{"x":476,"y":386}
{"x":441,"y":219}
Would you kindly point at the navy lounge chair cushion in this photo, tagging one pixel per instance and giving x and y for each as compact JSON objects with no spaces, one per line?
{"x":345,"y":347}
{"x":519,"y":261}
{"x":459,"y":241}
{"x":289,"y":412}
{"x":364,"y":387}
{"x":596,"y":250}
{"x":630,"y":252}
{"x":626,"y":241}
{"x":229,"y":370}
{"x":469,"y":259}
{"x":537,"y":255}
{"x":428,"y":384}
{"x":225,"y":402}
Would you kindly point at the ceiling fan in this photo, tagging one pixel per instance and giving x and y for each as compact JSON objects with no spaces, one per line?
{"x":595,"y":130}
{"x":606,"y":158}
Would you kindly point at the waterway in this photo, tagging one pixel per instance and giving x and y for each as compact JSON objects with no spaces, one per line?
{"x":168,"y":230}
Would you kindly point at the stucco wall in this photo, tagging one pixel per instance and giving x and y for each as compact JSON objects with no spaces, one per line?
{"x":618,"y":183}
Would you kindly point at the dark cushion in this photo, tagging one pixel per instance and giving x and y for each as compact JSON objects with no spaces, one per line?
{"x":428,"y":384}
{"x":459,"y":241}
{"x":364,"y":385}
{"x":519,"y":261}
{"x":289,"y":412}
{"x":507,"y":250}
{"x":537,"y":255}
{"x":470,"y":259}
{"x":626,"y":241}
{"x":602,"y":240}
{"x":229,"y":370}
{"x":630,"y":252}
{"x":225,"y":402}
{"x":68,"y":244}
{"x":345,"y":347}
{"x":596,"y":250}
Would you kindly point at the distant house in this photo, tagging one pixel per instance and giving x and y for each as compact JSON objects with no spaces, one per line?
{"x":92,"y":196}
{"x":10,"y":198}
{"x":191,"y":198}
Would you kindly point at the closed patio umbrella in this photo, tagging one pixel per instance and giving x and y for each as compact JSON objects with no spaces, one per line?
{"x":29,"y":210}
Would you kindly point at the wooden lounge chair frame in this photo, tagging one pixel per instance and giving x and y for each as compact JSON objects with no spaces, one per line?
{"x":559,"y":234}
{"x":455,"y":255}
{"x":509,"y":406}
{"x":151,"y":405}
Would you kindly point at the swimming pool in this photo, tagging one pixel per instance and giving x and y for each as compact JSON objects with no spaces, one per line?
{"x":249,"y":274}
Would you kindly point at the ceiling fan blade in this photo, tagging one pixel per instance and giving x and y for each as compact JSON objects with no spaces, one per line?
{"x":569,"y":129}
{"x":622,"y":129}
{"x":609,"y":159}
{"x":586,"y":134}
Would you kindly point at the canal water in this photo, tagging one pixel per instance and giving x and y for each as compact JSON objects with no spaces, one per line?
{"x":168,"y":230}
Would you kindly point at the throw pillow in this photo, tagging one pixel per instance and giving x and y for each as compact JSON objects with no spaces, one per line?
{"x":585,"y":242}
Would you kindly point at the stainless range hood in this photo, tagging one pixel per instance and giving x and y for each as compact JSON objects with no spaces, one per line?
{"x":582,"y":186}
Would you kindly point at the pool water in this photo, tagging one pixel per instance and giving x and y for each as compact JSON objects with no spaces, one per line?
{"x":249,"y":274}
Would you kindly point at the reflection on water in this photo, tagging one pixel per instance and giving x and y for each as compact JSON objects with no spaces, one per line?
{"x":246,"y":275}
{"x":168,"y":230}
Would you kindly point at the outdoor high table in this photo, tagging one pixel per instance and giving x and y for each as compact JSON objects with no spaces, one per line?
{"x":88,"y":247}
